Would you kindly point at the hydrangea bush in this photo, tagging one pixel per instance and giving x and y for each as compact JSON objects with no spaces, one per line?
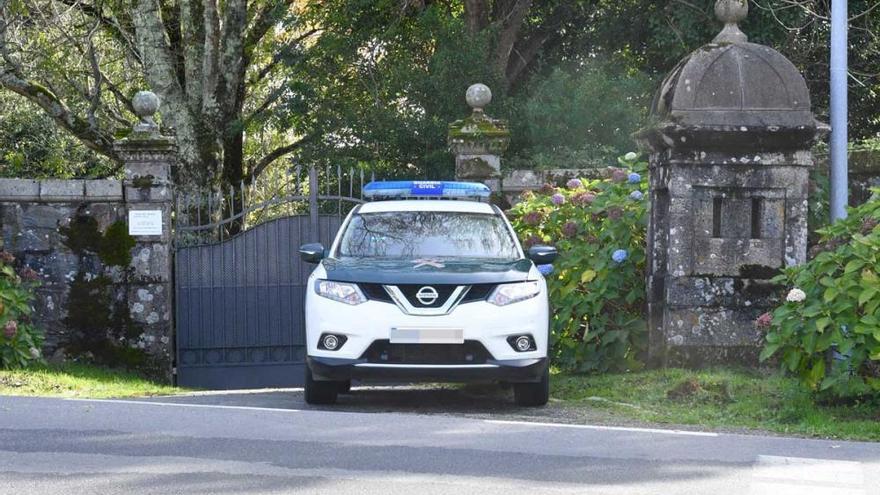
{"x":828,"y":328}
{"x":20,"y":340}
{"x":597,"y":286}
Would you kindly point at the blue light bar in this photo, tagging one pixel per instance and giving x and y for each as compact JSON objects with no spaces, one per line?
{"x":418,"y":189}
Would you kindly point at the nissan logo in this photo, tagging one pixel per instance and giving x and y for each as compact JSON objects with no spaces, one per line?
{"x":427,"y":295}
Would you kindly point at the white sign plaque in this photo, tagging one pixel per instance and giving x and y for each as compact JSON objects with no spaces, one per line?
{"x":145,"y":222}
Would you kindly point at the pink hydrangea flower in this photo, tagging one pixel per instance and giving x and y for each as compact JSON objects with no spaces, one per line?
{"x":764,"y":320}
{"x":615,"y":214}
{"x":584,"y":198}
{"x":28,"y":273}
{"x":531,"y":241}
{"x":619,"y":175}
{"x":532,"y":218}
{"x":10,"y":329}
{"x":6,"y":257}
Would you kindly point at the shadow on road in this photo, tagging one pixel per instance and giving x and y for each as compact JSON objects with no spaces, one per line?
{"x":472,"y":400}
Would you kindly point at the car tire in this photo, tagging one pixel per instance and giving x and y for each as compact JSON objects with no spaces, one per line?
{"x":533,"y":394}
{"x":318,"y":392}
{"x":343,"y":387}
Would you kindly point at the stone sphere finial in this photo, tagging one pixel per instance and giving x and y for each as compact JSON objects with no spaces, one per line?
{"x":731,"y":13}
{"x":478,"y":96}
{"x":145,"y":104}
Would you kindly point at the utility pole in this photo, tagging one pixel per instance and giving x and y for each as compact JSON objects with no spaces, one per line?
{"x":839,"y":103}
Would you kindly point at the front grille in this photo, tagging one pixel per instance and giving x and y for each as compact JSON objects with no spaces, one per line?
{"x":477,"y":292}
{"x":384,"y":352}
{"x":375,"y":292}
{"x":443,"y":292}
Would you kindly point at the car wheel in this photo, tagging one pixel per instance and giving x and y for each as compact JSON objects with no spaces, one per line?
{"x":343,"y":387}
{"x":318,"y":392}
{"x":533,"y":394}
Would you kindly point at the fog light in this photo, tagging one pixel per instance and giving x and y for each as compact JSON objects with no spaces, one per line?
{"x":331,"y":342}
{"x":522,"y":343}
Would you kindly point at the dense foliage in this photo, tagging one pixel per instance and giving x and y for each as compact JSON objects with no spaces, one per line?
{"x":597,"y":286}
{"x":246,"y":85}
{"x":828,"y":329}
{"x":32,"y":146}
{"x":20,"y":340}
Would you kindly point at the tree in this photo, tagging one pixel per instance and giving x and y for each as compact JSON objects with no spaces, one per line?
{"x":213,"y":64}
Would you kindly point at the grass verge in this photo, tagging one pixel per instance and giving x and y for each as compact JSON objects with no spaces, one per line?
{"x":724,"y":399}
{"x":79,"y":380}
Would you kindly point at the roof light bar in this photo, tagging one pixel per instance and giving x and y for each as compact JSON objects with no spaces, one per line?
{"x":417,"y":189}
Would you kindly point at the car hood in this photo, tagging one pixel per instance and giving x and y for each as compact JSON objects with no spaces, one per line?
{"x":424,"y":271}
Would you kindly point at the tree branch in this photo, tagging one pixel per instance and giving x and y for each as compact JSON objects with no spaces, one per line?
{"x":511,"y":23}
{"x":80,"y":128}
{"x":277,"y":153}
{"x":279,"y":55}
{"x":270,"y":13}
{"x":111,"y":25}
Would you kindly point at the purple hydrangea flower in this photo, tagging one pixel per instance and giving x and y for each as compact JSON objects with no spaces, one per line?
{"x":620,"y":256}
{"x":570,"y":229}
{"x":532,"y":218}
{"x":557,"y":199}
{"x":636,"y":195}
{"x":574,"y":184}
{"x":532,"y":240}
{"x":634,"y":178}
{"x":545,"y":269}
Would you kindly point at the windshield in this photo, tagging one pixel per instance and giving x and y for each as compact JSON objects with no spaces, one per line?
{"x":428,"y":234}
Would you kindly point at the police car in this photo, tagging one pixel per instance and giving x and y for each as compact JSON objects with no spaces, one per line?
{"x":426,"y":282}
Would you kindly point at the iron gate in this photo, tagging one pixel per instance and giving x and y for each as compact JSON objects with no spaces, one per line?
{"x":239,"y":297}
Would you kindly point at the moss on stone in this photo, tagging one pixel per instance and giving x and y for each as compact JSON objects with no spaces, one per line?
{"x":474,"y":127}
{"x":143,"y":181}
{"x":116,"y":245}
{"x":98,"y":320}
{"x":82,"y":235}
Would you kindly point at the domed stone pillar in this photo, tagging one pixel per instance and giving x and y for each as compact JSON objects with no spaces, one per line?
{"x":478,"y":141}
{"x":729,"y":158}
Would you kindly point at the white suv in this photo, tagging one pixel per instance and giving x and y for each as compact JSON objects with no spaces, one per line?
{"x":426,"y":289}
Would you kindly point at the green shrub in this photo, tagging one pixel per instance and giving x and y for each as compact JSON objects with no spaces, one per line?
{"x":828,"y":329}
{"x":597,"y":288}
{"x":20,"y":340}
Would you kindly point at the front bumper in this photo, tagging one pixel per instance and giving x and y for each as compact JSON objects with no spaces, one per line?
{"x":511,"y":370}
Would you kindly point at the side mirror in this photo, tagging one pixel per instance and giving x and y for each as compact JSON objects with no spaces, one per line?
{"x":543,"y":255}
{"x":311,"y":253}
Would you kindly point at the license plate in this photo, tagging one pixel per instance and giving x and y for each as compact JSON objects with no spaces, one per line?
{"x":408,"y":335}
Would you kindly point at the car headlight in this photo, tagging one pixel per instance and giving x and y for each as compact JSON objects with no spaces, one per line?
{"x":506,"y":294}
{"x":340,"y":291}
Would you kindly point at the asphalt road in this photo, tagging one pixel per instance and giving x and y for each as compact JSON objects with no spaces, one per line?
{"x":271,"y":443}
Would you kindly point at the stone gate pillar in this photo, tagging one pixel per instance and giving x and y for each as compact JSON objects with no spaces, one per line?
{"x":147,"y":159}
{"x":479,"y":141}
{"x":729,"y":157}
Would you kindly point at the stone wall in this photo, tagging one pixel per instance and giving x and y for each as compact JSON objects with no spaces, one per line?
{"x":33,"y":216}
{"x":105,"y":294}
{"x":514,"y":182}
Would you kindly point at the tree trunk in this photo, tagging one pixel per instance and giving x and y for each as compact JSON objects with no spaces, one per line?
{"x":233,"y":174}
{"x":476,"y":16}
